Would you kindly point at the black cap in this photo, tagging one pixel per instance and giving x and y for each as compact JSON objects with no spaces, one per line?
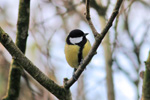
{"x":76,"y":33}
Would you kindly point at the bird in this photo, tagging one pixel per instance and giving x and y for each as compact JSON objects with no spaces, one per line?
{"x":77,"y":47}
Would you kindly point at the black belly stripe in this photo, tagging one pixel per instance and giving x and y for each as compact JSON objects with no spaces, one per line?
{"x":81,"y":45}
{"x":80,"y":57}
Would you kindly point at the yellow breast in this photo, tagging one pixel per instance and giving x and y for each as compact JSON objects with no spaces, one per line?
{"x":86,"y":49}
{"x":71,"y":53}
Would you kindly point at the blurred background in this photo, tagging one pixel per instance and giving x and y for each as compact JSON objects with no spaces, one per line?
{"x":125,"y":48}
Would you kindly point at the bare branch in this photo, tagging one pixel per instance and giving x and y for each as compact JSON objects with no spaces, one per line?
{"x":22,"y":33}
{"x":98,"y":40}
{"x":146,"y":81}
{"x":88,"y":17}
{"x":39,"y":76}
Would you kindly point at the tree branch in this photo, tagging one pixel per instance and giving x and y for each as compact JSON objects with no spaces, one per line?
{"x":59,"y":92}
{"x":88,"y":17}
{"x":24,"y":62}
{"x":22,"y":33}
{"x":98,"y":39}
{"x":146,"y":81}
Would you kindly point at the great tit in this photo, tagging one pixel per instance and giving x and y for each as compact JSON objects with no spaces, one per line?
{"x":76,"y":48}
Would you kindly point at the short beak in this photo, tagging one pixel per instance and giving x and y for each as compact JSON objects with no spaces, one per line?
{"x":86,"y":34}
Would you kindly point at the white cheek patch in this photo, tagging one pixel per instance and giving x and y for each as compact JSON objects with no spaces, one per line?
{"x":75,"y":40}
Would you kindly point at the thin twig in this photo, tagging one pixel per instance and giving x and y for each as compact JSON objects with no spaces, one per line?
{"x":29,"y":85}
{"x":88,"y":17}
{"x":98,"y":40}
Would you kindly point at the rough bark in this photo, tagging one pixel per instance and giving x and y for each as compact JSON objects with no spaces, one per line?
{"x":15,"y":72}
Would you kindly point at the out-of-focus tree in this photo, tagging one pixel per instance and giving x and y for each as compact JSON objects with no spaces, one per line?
{"x":123,"y":53}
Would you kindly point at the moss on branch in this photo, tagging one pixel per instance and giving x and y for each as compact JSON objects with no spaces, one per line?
{"x":15,"y":72}
{"x":18,"y":56}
